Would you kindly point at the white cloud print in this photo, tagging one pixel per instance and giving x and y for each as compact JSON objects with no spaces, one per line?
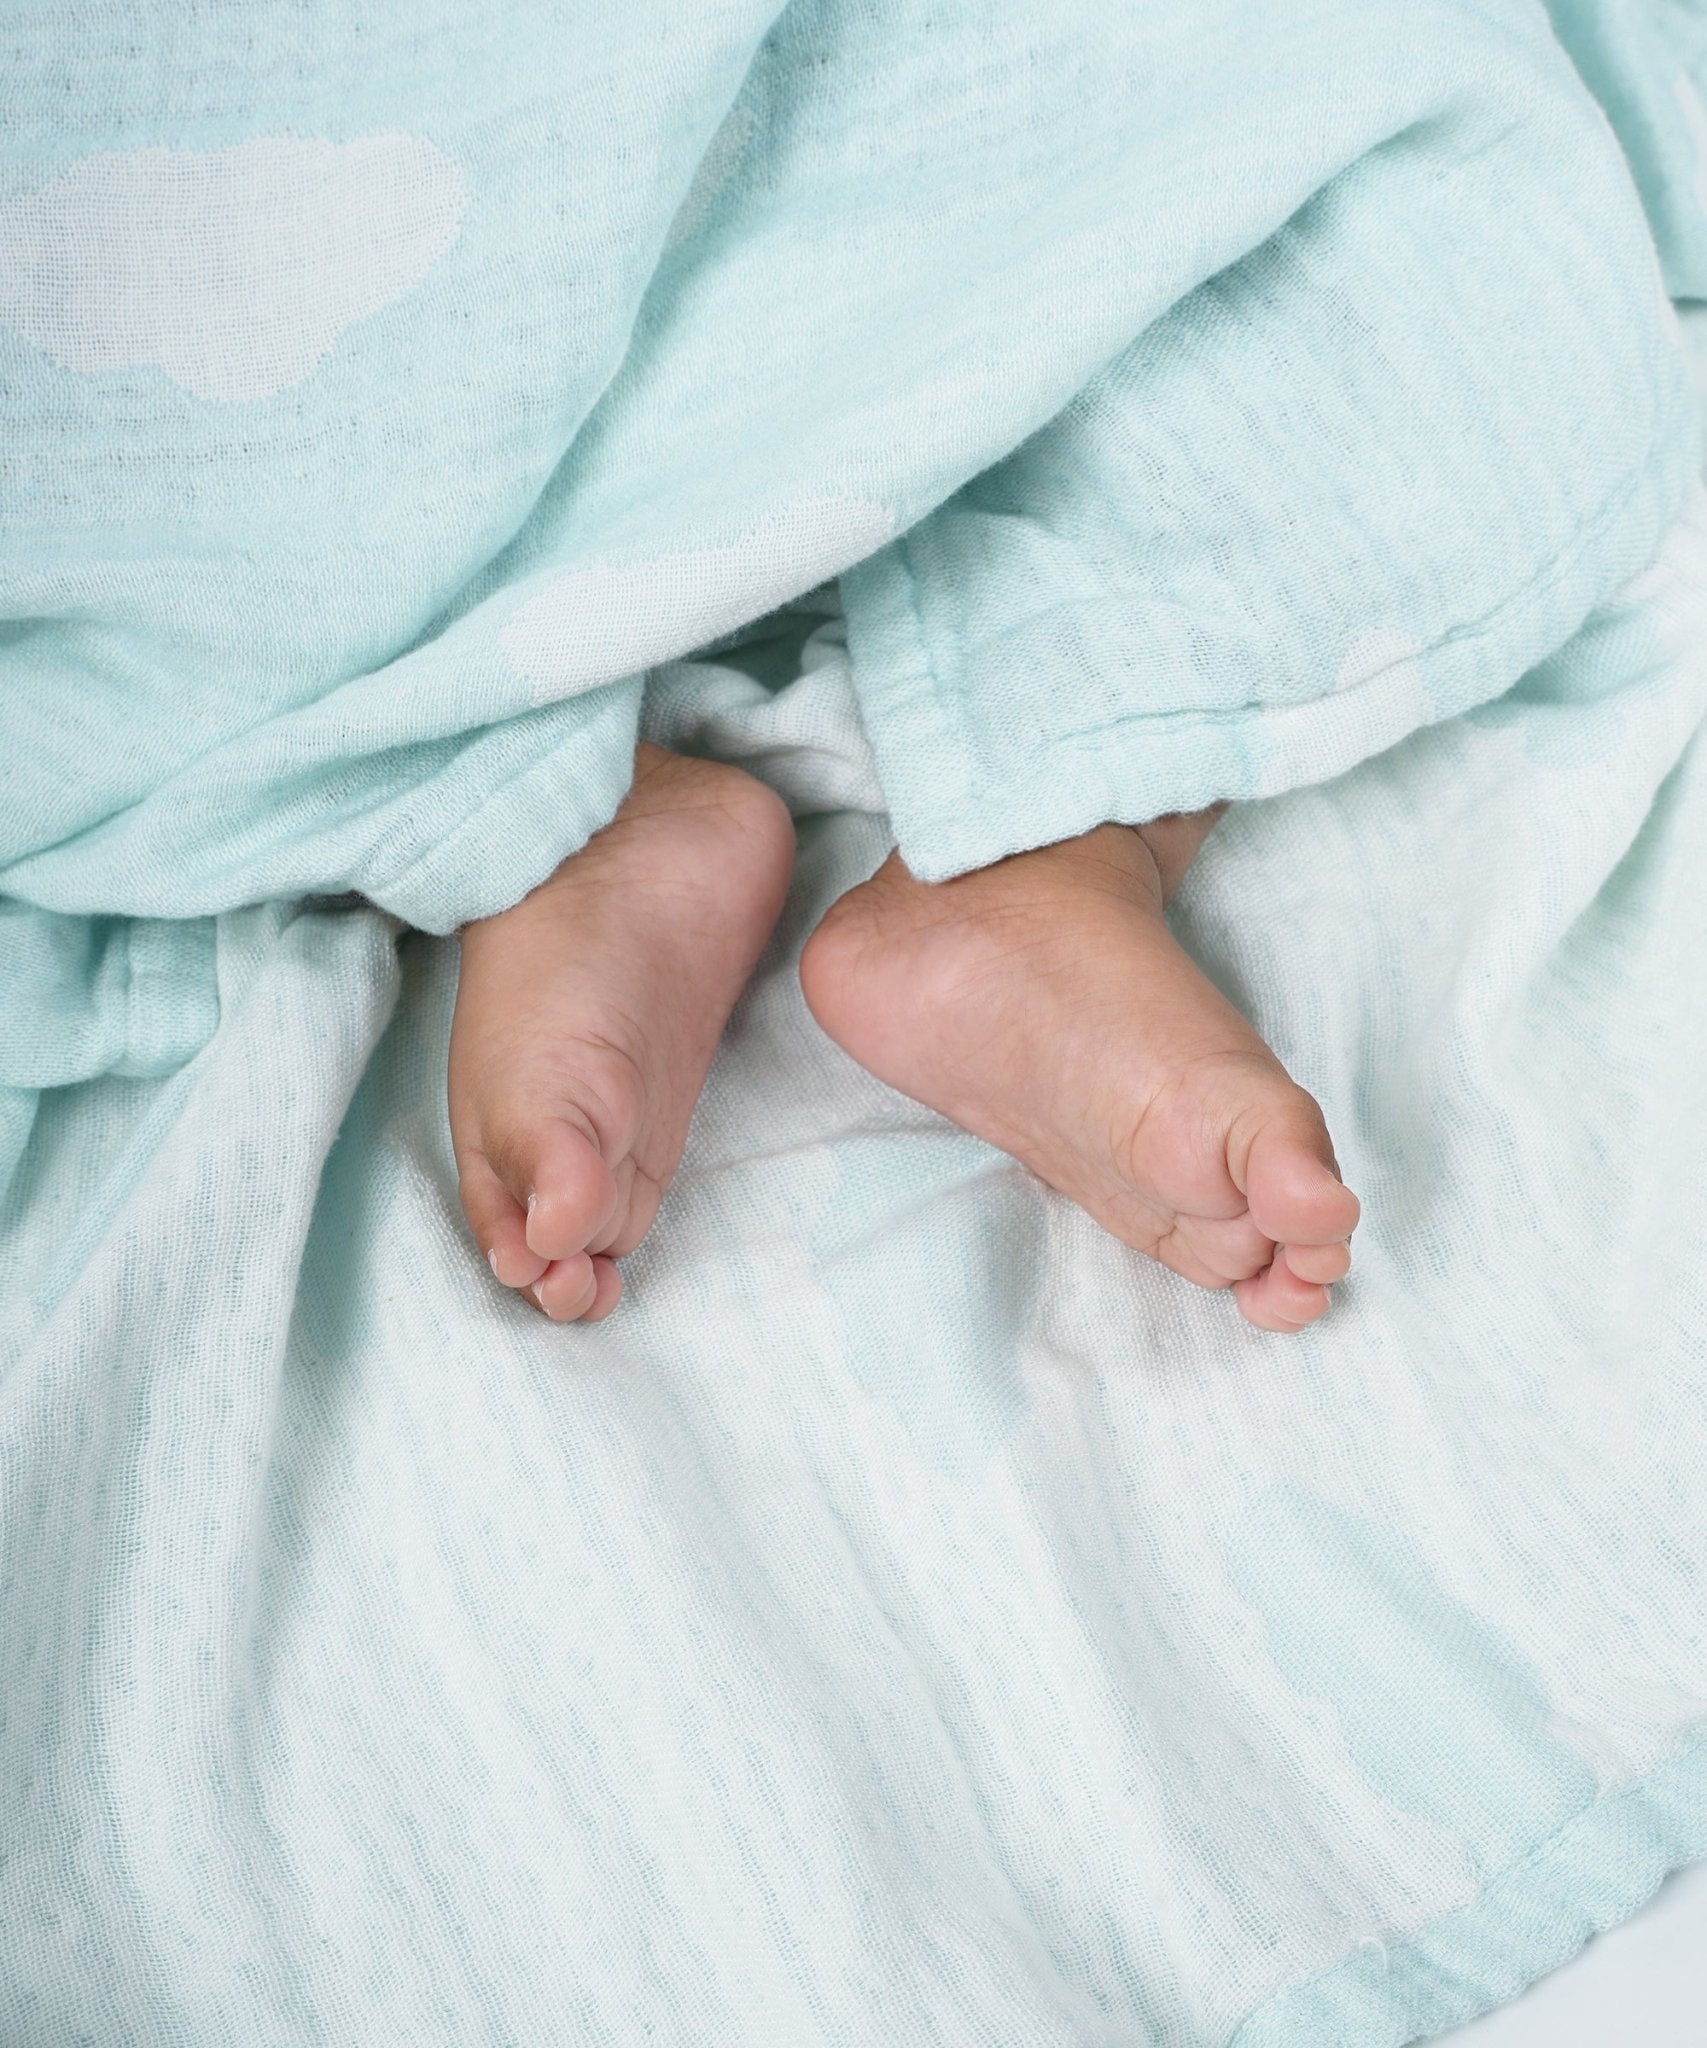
{"x":232,"y":270}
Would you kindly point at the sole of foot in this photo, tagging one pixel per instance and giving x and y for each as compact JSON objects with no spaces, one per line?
{"x":1045,"y":1005}
{"x":587,"y":1017}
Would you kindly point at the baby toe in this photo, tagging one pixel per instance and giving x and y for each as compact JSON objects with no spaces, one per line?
{"x":568,"y":1288}
{"x":1321,"y":1263}
{"x":499,"y":1224}
{"x":570,"y":1194}
{"x":607,"y":1291}
{"x":1233,"y":1248}
{"x":1291,"y":1182}
{"x":1278,"y":1300}
{"x":638,"y":1196}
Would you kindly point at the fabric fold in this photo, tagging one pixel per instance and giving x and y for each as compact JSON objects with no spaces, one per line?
{"x":1359,"y":481}
{"x":1209,"y":398}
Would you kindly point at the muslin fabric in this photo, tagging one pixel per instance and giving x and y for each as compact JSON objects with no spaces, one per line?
{"x":913,"y":1618}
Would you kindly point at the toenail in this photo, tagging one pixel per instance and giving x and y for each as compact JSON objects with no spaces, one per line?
{"x":492,"y":1261}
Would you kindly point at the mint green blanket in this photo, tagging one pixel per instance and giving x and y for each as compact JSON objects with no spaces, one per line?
{"x":913,"y":1618}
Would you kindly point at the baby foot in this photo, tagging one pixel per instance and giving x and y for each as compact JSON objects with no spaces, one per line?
{"x":1044,"y":1005}
{"x":587,"y":1016}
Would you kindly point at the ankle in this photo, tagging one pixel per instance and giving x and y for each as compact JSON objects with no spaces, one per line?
{"x":1173,"y":841}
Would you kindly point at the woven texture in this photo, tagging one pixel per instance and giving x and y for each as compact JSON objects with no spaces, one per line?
{"x":913,"y":1618}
